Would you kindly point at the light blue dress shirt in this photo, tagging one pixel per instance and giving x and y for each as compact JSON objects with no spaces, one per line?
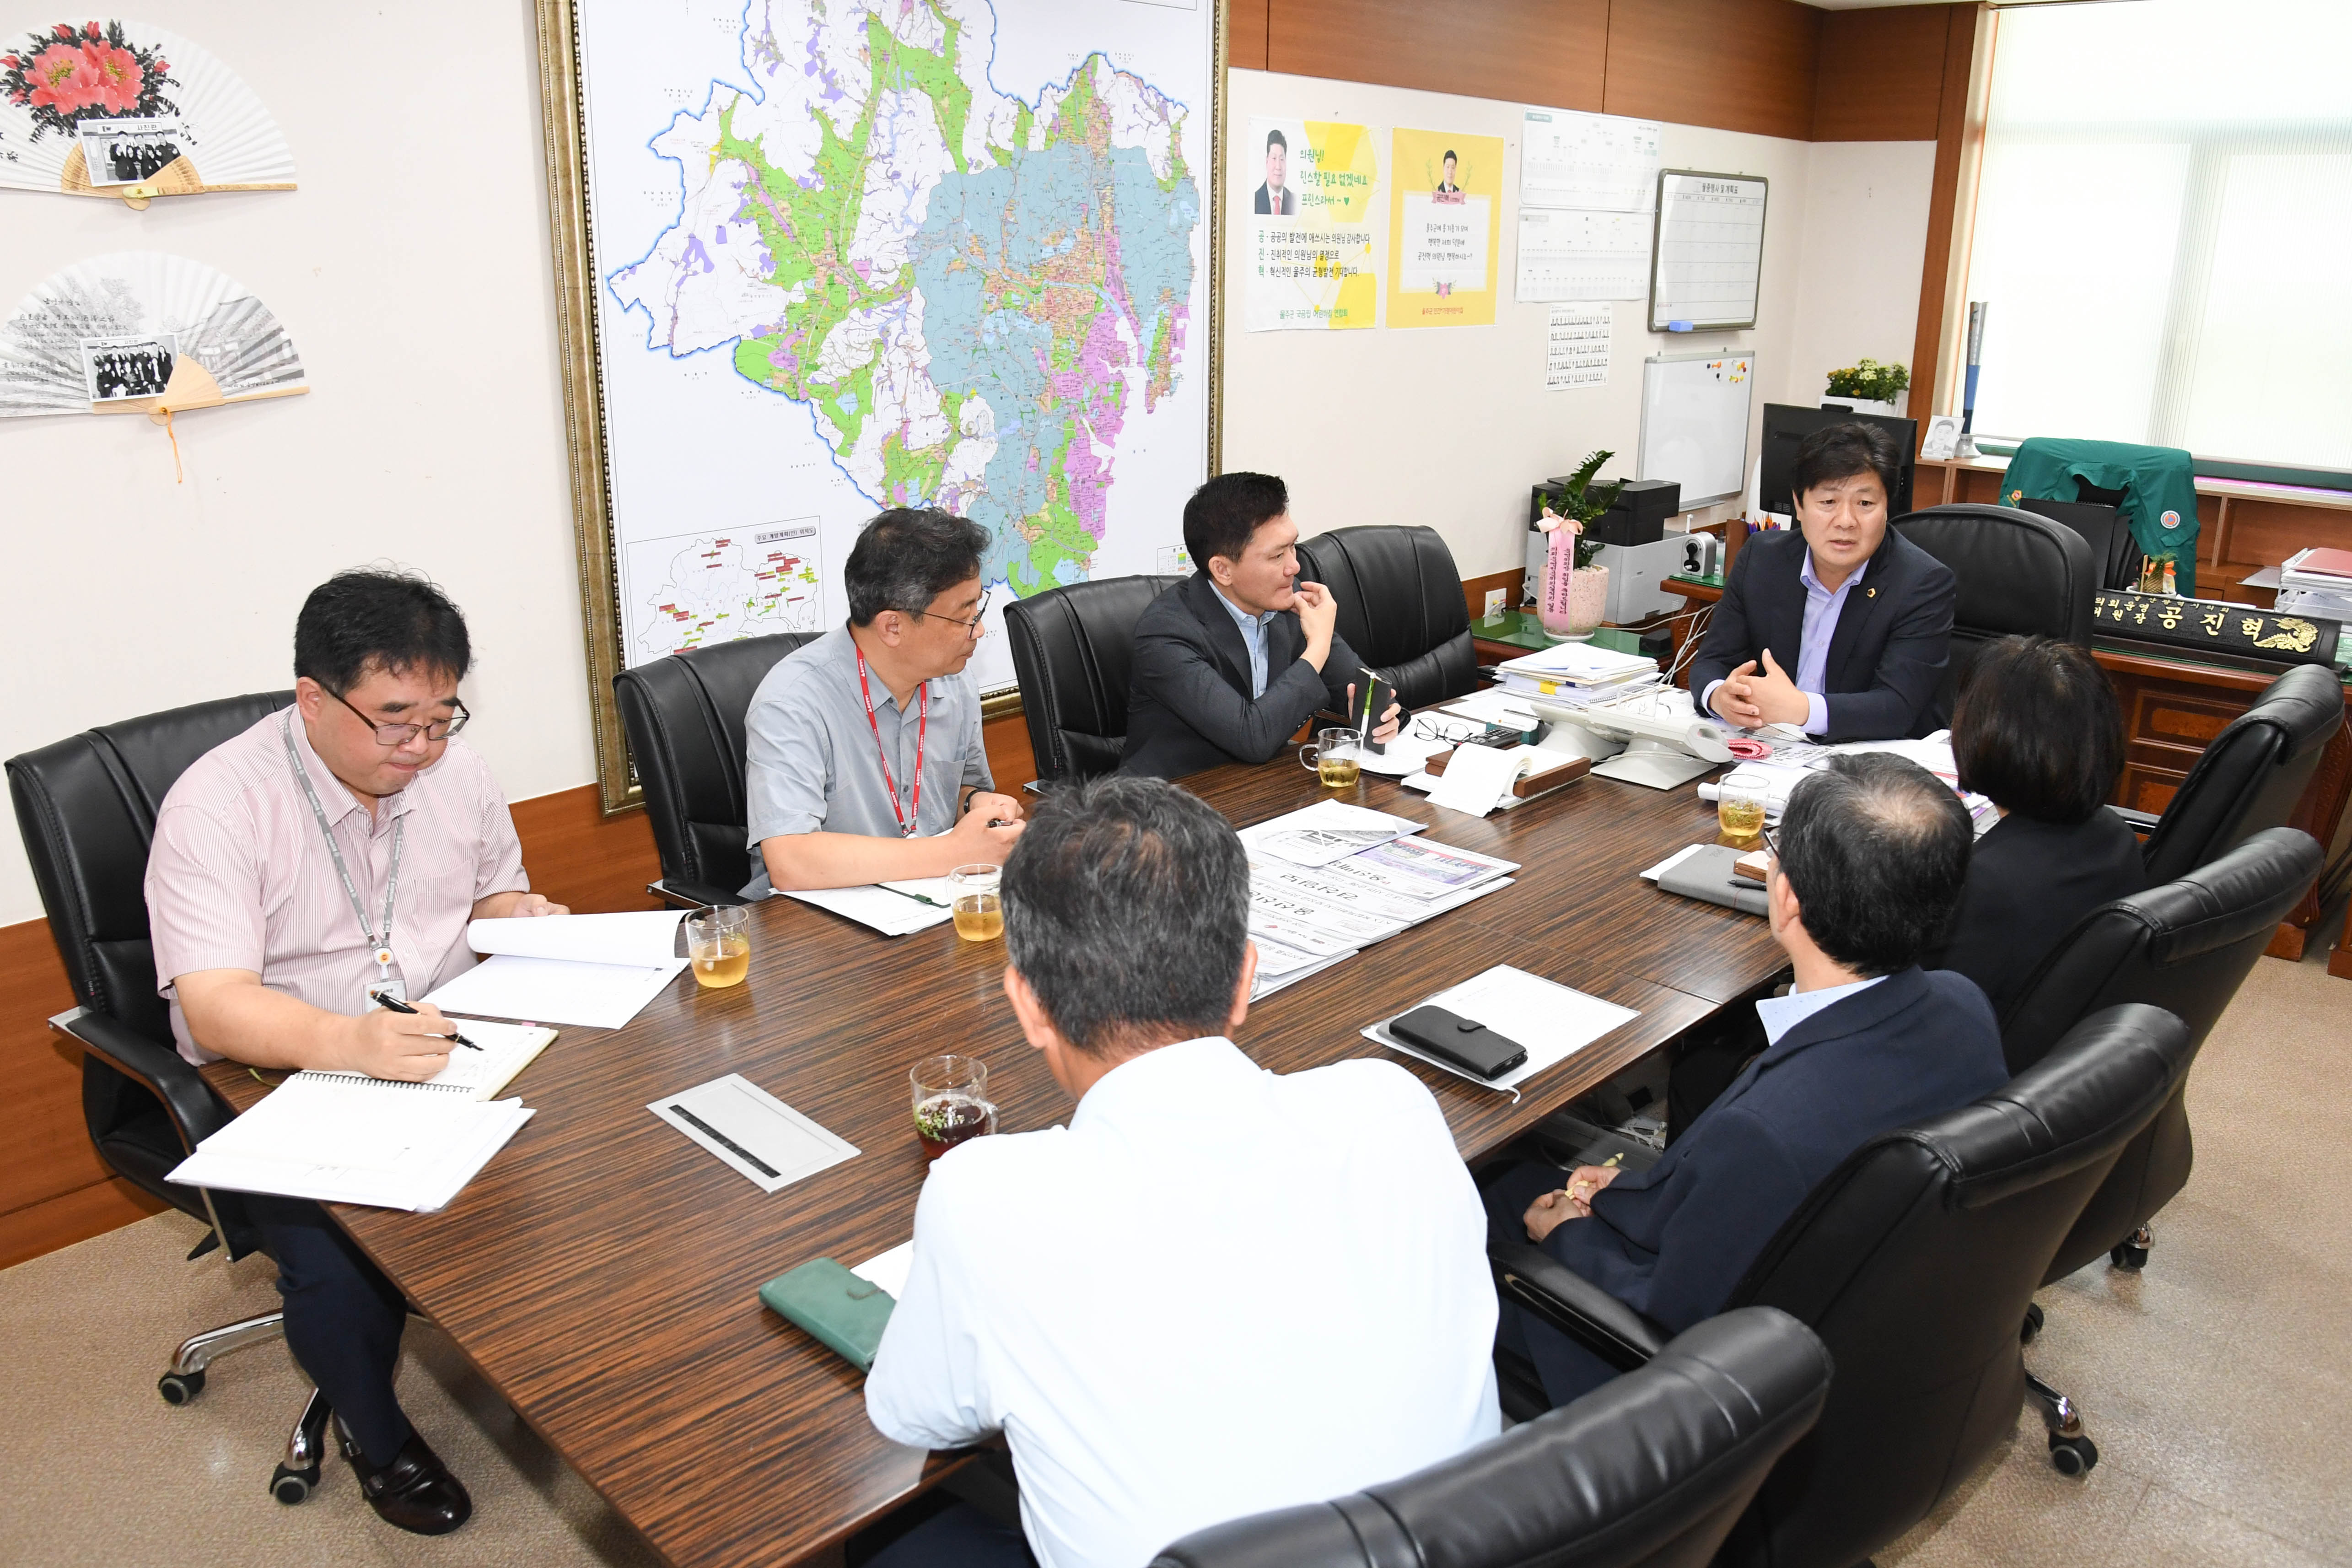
{"x":1821,"y":611}
{"x":1253,"y":629}
{"x":1781,"y":1014}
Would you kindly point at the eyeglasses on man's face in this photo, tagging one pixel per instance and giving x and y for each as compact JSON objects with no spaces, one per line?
{"x":971,"y":627}
{"x":401,"y":734}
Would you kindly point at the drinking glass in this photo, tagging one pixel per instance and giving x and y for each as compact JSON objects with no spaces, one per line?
{"x":719,"y":943}
{"x":1739,"y":812}
{"x":1337,"y":757}
{"x":979,"y":910}
{"x":951,"y":1102}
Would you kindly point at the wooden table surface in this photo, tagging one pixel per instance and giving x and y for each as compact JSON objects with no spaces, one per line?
{"x":602,"y":1272}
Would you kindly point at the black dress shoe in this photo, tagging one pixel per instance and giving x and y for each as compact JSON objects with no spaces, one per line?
{"x":415,"y":1491}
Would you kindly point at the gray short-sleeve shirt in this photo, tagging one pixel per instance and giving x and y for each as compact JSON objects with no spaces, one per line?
{"x":812,"y":762}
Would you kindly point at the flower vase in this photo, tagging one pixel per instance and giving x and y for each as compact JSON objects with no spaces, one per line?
{"x":1573,"y":601}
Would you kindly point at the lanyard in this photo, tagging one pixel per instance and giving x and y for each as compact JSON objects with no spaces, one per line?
{"x":922,"y":725}
{"x":380,"y":946}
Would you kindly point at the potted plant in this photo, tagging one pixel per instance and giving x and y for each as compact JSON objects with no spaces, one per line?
{"x":1575,"y":591}
{"x":1867,"y":387}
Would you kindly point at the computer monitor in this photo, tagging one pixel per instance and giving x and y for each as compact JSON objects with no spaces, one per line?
{"x":2113,"y":549}
{"x":1785,"y":427}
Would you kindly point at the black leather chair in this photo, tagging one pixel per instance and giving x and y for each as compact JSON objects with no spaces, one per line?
{"x":86,"y":808}
{"x":2249,"y":777}
{"x":683,"y":716}
{"x":1400,"y":607}
{"x":1073,"y":649}
{"x":1652,"y":1469}
{"x":1915,"y":1262}
{"x":2019,"y":573}
{"x":2184,"y":946}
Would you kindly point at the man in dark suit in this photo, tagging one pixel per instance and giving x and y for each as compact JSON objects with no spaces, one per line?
{"x":1276,"y":199}
{"x":1840,"y":629}
{"x":1232,"y":660}
{"x":1869,"y":860}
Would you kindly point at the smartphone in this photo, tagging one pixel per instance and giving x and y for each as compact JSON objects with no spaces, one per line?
{"x":1451,"y":1037}
{"x":1377,"y":695}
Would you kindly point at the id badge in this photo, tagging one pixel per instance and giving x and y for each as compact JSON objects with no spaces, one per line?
{"x":393,"y":986}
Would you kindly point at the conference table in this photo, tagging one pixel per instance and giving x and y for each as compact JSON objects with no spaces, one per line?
{"x":601,"y":1271}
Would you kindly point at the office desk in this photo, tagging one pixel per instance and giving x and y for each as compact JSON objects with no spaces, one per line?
{"x":602,"y":1272}
{"x":2173,"y":705}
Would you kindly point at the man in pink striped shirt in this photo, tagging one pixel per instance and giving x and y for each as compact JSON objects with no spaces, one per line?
{"x":331,"y":854}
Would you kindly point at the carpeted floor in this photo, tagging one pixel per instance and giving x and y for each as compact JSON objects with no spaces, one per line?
{"x":2217,"y":1385}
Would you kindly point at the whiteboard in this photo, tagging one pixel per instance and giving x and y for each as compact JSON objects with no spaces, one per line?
{"x":1695,"y":422}
{"x":1709,"y":263}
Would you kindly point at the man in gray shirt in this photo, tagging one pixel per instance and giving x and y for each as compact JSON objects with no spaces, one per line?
{"x":863,"y":753}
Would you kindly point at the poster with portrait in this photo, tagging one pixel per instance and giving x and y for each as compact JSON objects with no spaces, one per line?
{"x":1310,"y":254}
{"x":1445,"y":214}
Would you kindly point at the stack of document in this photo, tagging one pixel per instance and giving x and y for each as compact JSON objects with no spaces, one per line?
{"x":2317,"y":581}
{"x":1332,"y":879}
{"x":348,"y":1140}
{"x":1575,"y":669}
{"x":593,"y":970}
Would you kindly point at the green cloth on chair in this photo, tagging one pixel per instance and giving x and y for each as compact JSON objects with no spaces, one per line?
{"x":2159,"y":486}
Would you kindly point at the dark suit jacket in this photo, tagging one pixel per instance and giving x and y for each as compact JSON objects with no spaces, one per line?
{"x":1188,"y":701}
{"x":2028,"y":882}
{"x":1673,"y":1240}
{"x":1264,"y":207}
{"x":1886,"y":657}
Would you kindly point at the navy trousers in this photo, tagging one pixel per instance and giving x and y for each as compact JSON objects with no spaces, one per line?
{"x":1569,"y":1370}
{"x":343,"y":1319}
{"x":960,"y":1536}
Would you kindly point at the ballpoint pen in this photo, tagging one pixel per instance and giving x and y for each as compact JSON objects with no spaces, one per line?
{"x":397,"y":1005}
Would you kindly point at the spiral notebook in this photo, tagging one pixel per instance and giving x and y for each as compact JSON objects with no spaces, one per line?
{"x":505,"y":1050}
{"x":340,"y":1137}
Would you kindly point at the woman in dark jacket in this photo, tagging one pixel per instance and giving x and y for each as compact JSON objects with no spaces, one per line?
{"x":2037,"y":730}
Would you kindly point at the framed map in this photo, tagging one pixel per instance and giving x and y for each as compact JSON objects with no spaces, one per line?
{"x":816,"y":258}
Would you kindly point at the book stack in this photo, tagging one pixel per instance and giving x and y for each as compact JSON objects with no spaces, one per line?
{"x":2318,"y":582}
{"x":1576,"y":673}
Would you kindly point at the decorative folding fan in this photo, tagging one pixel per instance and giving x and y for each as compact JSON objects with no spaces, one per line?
{"x":122,"y":109}
{"x":142,"y":332}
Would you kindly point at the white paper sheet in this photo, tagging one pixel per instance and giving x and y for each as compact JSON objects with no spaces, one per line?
{"x":1326,"y":831}
{"x":556,"y":990}
{"x":642,"y":938}
{"x":888,"y":1270}
{"x":359,"y":1141}
{"x":1653,"y":873}
{"x":1496,"y":706}
{"x":892,"y":914}
{"x":1550,"y":1020}
{"x":505,"y":1050}
{"x":1403,"y":755}
{"x":1576,"y":346}
{"x":1582,"y":255}
{"x":1568,"y":158}
{"x":752,"y":1132}
{"x":1476,"y":777}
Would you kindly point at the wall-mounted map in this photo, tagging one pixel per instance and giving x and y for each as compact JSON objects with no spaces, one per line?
{"x":851,"y":254}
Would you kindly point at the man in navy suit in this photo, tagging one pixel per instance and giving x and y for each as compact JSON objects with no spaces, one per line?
{"x":1840,"y":629}
{"x":1869,"y":861}
{"x":1232,"y":660}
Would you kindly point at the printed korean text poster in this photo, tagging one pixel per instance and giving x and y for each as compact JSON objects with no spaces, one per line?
{"x":1445,"y":214}
{"x":1310,"y":256}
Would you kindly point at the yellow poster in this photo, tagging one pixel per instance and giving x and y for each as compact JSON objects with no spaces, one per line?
{"x":1310,"y":250}
{"x":1445,"y":215}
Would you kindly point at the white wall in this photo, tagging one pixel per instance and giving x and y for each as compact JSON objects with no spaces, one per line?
{"x":414,"y":277}
{"x":1858,"y":274}
{"x":1449,"y":426}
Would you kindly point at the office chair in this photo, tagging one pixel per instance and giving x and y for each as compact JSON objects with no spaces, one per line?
{"x":684,"y":715}
{"x":2019,"y":573}
{"x":2185,"y":947}
{"x":1914,"y":1261}
{"x":86,"y":808}
{"x":2250,"y":778}
{"x":1073,"y":649}
{"x":1651,"y":1469}
{"x":1400,"y":607}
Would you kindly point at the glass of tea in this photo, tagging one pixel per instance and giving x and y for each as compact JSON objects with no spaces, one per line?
{"x":718,"y":944}
{"x":979,"y":909}
{"x":1739,"y":812}
{"x":1337,"y":756}
{"x":951,"y":1102}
